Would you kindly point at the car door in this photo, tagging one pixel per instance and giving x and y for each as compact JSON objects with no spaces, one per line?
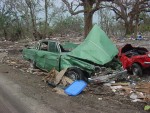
{"x":40,"y":56}
{"x":52,"y":57}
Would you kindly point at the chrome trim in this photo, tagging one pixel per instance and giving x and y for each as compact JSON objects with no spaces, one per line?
{"x":146,"y":62}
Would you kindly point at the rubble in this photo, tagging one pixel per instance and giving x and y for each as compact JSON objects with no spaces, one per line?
{"x":143,"y":87}
{"x":2,"y":56}
{"x":109,"y":77}
{"x":57,"y":80}
{"x":128,"y":89}
{"x":59,"y":91}
{"x":54,"y":77}
{"x":140,"y":92}
{"x":135,"y":91}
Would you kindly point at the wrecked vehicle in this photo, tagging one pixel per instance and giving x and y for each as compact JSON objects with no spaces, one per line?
{"x":134,"y":59}
{"x":82,"y":62}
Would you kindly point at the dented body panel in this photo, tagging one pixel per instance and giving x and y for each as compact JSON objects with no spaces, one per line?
{"x":96,"y":50}
{"x":129,"y":55}
{"x":97,"y":47}
{"x":47,"y":60}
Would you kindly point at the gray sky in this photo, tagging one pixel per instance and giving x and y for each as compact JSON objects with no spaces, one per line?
{"x":58,"y":3}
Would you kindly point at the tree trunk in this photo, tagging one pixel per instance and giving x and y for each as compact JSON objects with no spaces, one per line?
{"x":88,"y":23}
{"x":5,"y":34}
{"x":129,"y":28}
{"x":88,"y":16}
{"x":45,"y":29}
{"x":34,"y":26}
{"x":136,"y":26}
{"x":33,"y":18}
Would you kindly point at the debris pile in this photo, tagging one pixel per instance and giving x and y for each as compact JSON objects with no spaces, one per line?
{"x":144,"y":89}
{"x":136,"y":92}
{"x":16,"y":63}
{"x":139,"y":92}
{"x":57,"y":80}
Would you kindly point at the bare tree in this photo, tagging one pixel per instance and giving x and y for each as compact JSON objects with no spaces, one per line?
{"x":49,"y":14}
{"x":88,"y":8}
{"x":46,"y":17}
{"x":106,"y":20}
{"x":32,"y":5}
{"x":9,"y":18}
{"x":128,"y":11}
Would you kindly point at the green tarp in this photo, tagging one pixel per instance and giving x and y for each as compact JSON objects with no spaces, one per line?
{"x":97,"y":47}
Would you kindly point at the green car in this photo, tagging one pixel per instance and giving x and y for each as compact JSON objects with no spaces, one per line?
{"x":82,"y":62}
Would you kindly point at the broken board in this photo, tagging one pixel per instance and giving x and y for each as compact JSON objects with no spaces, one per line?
{"x":75,"y":88}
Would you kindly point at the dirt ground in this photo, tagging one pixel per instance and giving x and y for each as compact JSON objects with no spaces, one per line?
{"x":32,"y":86}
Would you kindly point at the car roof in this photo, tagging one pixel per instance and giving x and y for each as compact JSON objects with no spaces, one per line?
{"x":45,"y":40}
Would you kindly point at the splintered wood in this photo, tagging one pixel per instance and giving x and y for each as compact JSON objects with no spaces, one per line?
{"x":50,"y":76}
{"x":144,"y":87}
{"x":56,"y":77}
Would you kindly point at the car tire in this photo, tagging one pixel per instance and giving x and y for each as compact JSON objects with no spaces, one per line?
{"x":33,"y":64}
{"x":137,"y":70}
{"x":76,"y":74}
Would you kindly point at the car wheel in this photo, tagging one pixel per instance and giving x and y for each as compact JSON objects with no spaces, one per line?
{"x":137,"y":70}
{"x":33,"y":64}
{"x":75,"y":74}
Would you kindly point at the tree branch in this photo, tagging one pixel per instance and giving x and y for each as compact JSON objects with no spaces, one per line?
{"x":70,"y":8}
{"x":97,"y":7}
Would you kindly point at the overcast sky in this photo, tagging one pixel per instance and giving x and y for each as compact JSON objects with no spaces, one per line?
{"x":58,"y":3}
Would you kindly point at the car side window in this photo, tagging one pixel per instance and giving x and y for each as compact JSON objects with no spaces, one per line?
{"x":44,"y":46}
{"x":53,"y":47}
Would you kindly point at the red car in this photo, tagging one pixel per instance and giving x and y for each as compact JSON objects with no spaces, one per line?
{"x":134,"y":59}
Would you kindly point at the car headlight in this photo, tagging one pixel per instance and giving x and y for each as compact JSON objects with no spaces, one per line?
{"x":149,"y":55}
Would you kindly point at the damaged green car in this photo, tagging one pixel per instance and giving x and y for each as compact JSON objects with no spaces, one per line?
{"x":82,"y":62}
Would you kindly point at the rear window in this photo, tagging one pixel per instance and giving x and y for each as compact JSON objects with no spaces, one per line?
{"x":53,"y":47}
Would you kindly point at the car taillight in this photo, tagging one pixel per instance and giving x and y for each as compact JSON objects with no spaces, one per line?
{"x":149,"y":55}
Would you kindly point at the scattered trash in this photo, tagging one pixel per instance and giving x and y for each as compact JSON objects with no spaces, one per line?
{"x":59,"y":91}
{"x":66,"y":81}
{"x":75,"y":88}
{"x":55,"y":78}
{"x":136,"y":100}
{"x":50,"y":78}
{"x":133,"y":96}
{"x":108,"y":77}
{"x":132,"y":88}
{"x":143,"y":87}
{"x":59,"y":76}
{"x":2,"y":56}
{"x":139,"y":37}
{"x":121,"y":84}
{"x":147,"y":108}
{"x":126,"y":90}
{"x":99,"y":98}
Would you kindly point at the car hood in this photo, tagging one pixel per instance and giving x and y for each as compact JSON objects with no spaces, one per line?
{"x":96,"y":48}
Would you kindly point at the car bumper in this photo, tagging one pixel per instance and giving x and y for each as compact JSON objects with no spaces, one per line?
{"x":147,"y":63}
{"x":108,"y":78}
